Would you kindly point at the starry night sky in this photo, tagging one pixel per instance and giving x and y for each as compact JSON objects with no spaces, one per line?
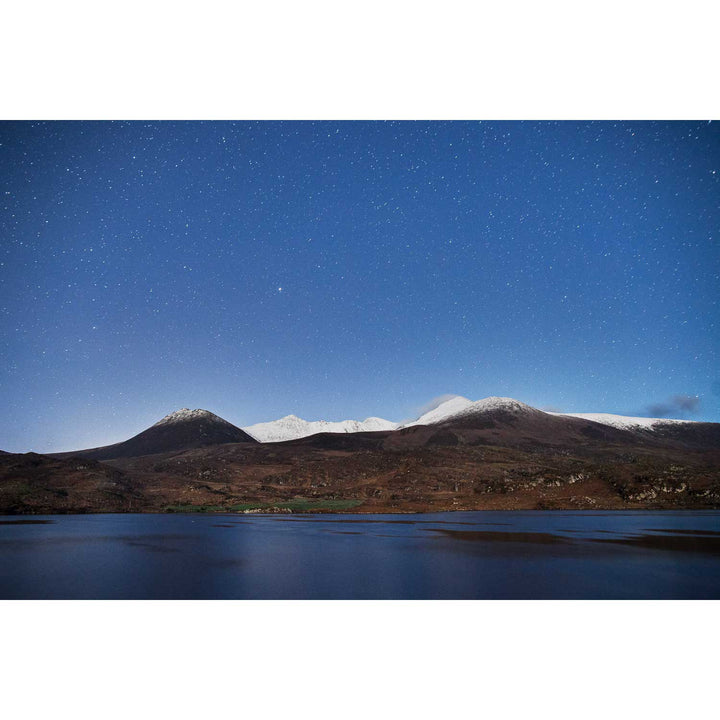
{"x":339,"y":270}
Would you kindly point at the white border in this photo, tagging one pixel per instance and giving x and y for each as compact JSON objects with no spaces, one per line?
{"x":433,"y":659}
{"x":419,"y":60}
{"x":145,"y":59}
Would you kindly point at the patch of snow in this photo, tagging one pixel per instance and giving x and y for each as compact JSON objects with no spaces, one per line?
{"x":292,"y":427}
{"x":185,"y":414}
{"x":623,"y":421}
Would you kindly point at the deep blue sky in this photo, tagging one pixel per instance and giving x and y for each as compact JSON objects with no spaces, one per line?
{"x":344,"y":269}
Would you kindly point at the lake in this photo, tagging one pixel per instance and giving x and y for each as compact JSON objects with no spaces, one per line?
{"x":462,"y":555}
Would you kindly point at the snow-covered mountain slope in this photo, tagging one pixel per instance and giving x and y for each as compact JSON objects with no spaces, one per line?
{"x":292,"y":427}
{"x":624,"y":422}
{"x":458,"y":407}
{"x":443,"y":411}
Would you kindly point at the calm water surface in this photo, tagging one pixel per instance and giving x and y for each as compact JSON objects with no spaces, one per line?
{"x":502,"y":555}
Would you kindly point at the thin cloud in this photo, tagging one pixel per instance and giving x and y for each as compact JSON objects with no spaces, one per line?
{"x":436,"y":402}
{"x":677,"y":405}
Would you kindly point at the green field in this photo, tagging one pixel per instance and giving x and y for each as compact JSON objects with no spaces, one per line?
{"x":296,"y":505}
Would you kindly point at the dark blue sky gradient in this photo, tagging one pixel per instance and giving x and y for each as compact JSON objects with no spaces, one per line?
{"x":569,"y":265}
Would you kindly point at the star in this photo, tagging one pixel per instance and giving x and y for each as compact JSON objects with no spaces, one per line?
{"x":416,"y":249}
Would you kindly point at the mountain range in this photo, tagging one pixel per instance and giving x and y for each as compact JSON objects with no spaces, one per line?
{"x":292,"y":427}
{"x":494,"y":453}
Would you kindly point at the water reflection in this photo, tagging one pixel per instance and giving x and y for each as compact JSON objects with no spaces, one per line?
{"x":442,"y":555}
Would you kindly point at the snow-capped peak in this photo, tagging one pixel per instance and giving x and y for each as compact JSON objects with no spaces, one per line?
{"x":497,"y":403}
{"x":462,"y":407}
{"x":185,"y":414}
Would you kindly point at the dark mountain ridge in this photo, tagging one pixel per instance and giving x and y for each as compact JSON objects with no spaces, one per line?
{"x":182,"y":430}
{"x":494,"y":455}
